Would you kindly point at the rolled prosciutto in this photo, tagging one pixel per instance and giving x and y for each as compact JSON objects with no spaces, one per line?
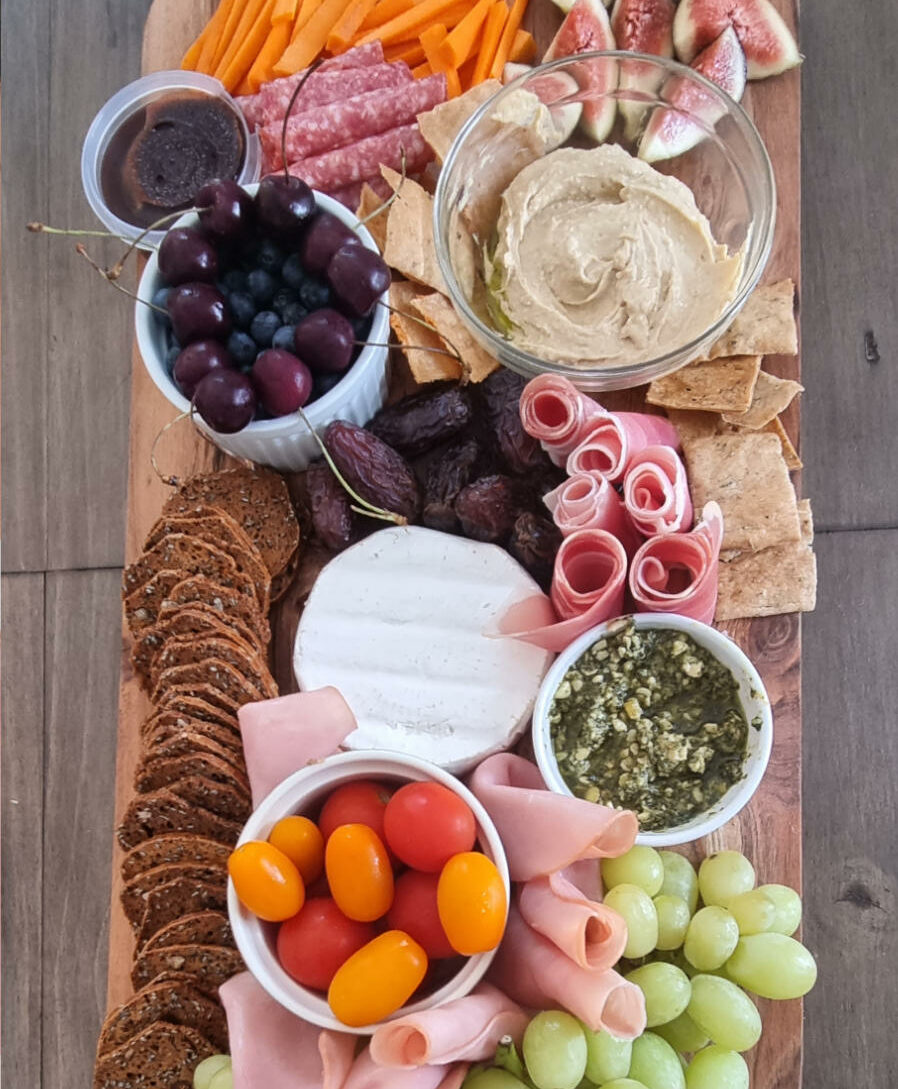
{"x":534,"y":972}
{"x":656,"y":492}
{"x":612,"y":440}
{"x":588,"y":585}
{"x":367,"y":1074}
{"x":589,"y":501}
{"x":542,"y":831}
{"x":556,"y":413}
{"x":677,"y":572}
{"x":592,"y":935}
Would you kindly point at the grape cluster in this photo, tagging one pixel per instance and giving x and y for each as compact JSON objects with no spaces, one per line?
{"x":691,"y":963}
{"x":265,"y":302}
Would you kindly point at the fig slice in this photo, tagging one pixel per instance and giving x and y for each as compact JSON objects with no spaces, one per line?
{"x":586,"y":28}
{"x":641,"y":26}
{"x":768,"y":43}
{"x":692,"y":113}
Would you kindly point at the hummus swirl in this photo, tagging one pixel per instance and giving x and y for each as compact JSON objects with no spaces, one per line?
{"x":602,"y":260}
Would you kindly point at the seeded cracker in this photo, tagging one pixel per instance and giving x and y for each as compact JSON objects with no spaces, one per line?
{"x":212,"y":964}
{"x":764,"y":326}
{"x":409,"y":246}
{"x":720,"y":385}
{"x":176,"y":1003}
{"x":201,"y":928}
{"x":135,"y":892}
{"x":441,"y":125}
{"x":790,"y":454}
{"x":778,"y":580}
{"x":179,"y":897}
{"x":161,"y":1056}
{"x":771,"y":396}
{"x":440,"y":312}
{"x":425,"y":366}
{"x":746,"y":474}
{"x":173,"y":848}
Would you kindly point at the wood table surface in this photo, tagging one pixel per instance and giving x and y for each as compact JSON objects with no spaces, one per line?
{"x":66,"y":343}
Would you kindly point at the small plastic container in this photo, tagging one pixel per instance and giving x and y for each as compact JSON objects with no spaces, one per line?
{"x":302,"y":793}
{"x":752,"y":694}
{"x":123,"y":105}
{"x":284,"y":443}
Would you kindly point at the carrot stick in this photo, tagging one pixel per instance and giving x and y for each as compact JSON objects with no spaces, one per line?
{"x":412,"y":52}
{"x":523,"y":48}
{"x":460,"y":43}
{"x":422,"y":71}
{"x":511,"y":28}
{"x":492,"y":32}
{"x":242,"y":60}
{"x":221,"y":41}
{"x":347,"y":26}
{"x":384,"y":11}
{"x":209,"y":36}
{"x":406,"y":24}
{"x":453,"y":83}
{"x":284,"y":11}
{"x":306,"y":46}
{"x":432,"y":39}
{"x":249,"y":14}
{"x":303,"y":15}
{"x":466,"y":72}
{"x":277,"y":41}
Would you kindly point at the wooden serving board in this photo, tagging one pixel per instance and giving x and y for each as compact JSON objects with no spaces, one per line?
{"x":769,"y":830}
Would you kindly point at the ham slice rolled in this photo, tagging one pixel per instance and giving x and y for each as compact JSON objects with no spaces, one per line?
{"x":542,"y":831}
{"x":589,"y":501}
{"x":556,"y":413}
{"x":367,"y":1074}
{"x":614,"y":438}
{"x":467,"y":1029}
{"x":588,"y":586}
{"x":534,"y":972}
{"x":677,"y":572}
{"x":282,"y":735}
{"x":656,"y":492}
{"x":592,"y":935}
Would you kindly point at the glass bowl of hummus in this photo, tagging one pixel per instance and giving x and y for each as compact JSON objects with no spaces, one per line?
{"x":604,"y":217}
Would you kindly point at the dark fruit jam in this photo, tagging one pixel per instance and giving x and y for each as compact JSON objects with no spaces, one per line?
{"x":163,"y":154}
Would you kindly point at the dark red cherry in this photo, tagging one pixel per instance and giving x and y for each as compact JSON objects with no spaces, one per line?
{"x":283,"y":205}
{"x":226,"y":211}
{"x":186,"y":255}
{"x":322,"y":238}
{"x":283,"y":382}
{"x":226,"y":400}
{"x":324,"y":340}
{"x":358,"y":277}
{"x":196,"y":361}
{"x":198,"y":312}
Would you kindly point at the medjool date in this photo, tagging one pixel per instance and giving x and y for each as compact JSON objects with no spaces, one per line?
{"x":421,"y":421}
{"x":330,"y":507}
{"x":487,"y":508}
{"x":375,"y":470}
{"x":501,"y":393}
{"x":446,"y":476}
{"x":534,"y":543}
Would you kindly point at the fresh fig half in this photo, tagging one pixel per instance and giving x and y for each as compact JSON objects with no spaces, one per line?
{"x":553,"y":89}
{"x":586,"y":28}
{"x":641,"y":26}
{"x":675,"y":129}
{"x":511,"y":71}
{"x":768,"y":43}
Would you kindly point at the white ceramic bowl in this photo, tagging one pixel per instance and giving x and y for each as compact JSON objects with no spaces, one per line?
{"x":284,"y":443}
{"x":752,"y":693}
{"x":300,"y":794}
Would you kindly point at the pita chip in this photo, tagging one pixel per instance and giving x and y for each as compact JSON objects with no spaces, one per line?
{"x":439,"y":311}
{"x":409,"y":247}
{"x":369,"y":202}
{"x":764,"y":326}
{"x":771,"y":396}
{"x":423,"y":348}
{"x":790,"y":454}
{"x":777,"y":580}
{"x":441,"y":125}
{"x":717,"y":385}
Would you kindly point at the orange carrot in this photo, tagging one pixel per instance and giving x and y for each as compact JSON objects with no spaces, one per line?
{"x":432,"y":39}
{"x":422,"y":70}
{"x":466,"y":73}
{"x":284,"y":11}
{"x":453,"y":83}
{"x":384,"y":11}
{"x":412,"y":52}
{"x":406,"y":24}
{"x":193,"y":54}
{"x":511,"y":28}
{"x":223,"y":40}
{"x":492,"y":31}
{"x":347,"y":26}
{"x":277,"y":41}
{"x":523,"y":48}
{"x":306,"y":10}
{"x":461,"y":42}
{"x":306,"y":45}
{"x":248,"y":17}
{"x":247,"y":51}
{"x":208,"y":38}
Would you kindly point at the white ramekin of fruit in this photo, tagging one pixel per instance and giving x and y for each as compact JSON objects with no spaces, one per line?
{"x":268,"y":299}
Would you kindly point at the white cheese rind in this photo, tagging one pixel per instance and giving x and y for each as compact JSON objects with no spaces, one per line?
{"x":397,"y":624}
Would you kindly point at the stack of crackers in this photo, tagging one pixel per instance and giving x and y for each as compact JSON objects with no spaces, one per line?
{"x":727,"y":411}
{"x":196,"y":602}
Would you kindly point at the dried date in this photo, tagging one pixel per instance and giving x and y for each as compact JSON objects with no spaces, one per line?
{"x":422,"y":421}
{"x":501,"y":395}
{"x":446,"y":476}
{"x":534,"y":544}
{"x":487,"y":508}
{"x":332,"y":516}
{"x":375,"y":470}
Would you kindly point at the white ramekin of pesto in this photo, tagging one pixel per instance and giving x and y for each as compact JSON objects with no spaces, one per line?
{"x":659,"y":714}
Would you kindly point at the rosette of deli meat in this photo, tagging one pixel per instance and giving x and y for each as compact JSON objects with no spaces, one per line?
{"x":656,"y":492}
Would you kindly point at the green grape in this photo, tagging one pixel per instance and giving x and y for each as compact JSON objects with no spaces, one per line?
{"x":222,"y":1078}
{"x":679,"y":878}
{"x":623,"y":1083}
{"x":725,"y":1012}
{"x":493,"y":1079}
{"x":788,"y":908}
{"x":640,"y":866}
{"x":202,"y":1075}
{"x":673,"y":920}
{"x":773,"y":966}
{"x":683,"y":1034}
{"x":724,"y":875}
{"x":711,"y":938}
{"x":666,"y":989}
{"x":656,"y":1064}
{"x":554,"y":1050}
{"x":638,"y":912}
{"x":753,"y":911}
{"x":606,"y":1056}
{"x":717,"y":1068}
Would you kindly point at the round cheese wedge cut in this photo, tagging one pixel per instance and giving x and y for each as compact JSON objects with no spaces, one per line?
{"x":397,"y":623}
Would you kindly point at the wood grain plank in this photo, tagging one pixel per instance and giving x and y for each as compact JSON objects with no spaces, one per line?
{"x":22,"y":808}
{"x":851,"y":850}
{"x":79,"y":756}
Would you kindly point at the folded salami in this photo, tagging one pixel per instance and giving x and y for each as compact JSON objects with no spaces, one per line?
{"x":656,"y":492}
{"x":345,"y":165}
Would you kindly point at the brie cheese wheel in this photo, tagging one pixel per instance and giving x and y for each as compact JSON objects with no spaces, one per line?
{"x":399,"y":622}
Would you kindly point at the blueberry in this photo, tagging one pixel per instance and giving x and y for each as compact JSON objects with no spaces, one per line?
{"x":269,"y":256}
{"x":171,"y":355}
{"x":324,"y":383}
{"x":292,"y":313}
{"x":314,"y":294}
{"x":261,"y":285}
{"x":243,"y":308}
{"x":292,"y":273}
{"x":234,"y":280}
{"x":243,"y":349}
{"x":283,"y":338}
{"x":282,"y":298}
{"x":265,"y":324}
{"x":362,"y":327}
{"x":160,"y":299}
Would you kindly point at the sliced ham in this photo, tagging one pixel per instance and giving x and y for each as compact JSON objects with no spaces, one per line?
{"x":677,"y":572}
{"x":466,"y":1029}
{"x":533,"y":971}
{"x":272,"y":1047}
{"x":656,"y":492}
{"x":588,"y":585}
{"x":343,"y":166}
{"x":592,"y":935}
{"x":542,"y":831}
{"x":556,"y":413}
{"x":367,"y":1074}
{"x":282,"y":735}
{"x":612,"y":439}
{"x":322,"y":128}
{"x":589,"y":501}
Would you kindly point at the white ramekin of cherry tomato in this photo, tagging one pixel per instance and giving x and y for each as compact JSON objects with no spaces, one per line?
{"x":368,"y":886}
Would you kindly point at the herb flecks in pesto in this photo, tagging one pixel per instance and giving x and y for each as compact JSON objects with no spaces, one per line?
{"x":648,"y":720}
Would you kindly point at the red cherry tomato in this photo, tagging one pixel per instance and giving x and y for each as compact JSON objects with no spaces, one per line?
{"x":426,"y":824}
{"x":313,"y":944}
{"x":472,"y":903}
{"x":415,"y":911}
{"x":378,"y":979}
{"x":266,"y":881}
{"x":359,"y":872}
{"x":361,"y":802}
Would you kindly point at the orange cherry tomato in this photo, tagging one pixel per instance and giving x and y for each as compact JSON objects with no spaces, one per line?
{"x":359,"y":872}
{"x":266,"y":881}
{"x":302,"y":842}
{"x":378,"y":979}
{"x":472,"y":903}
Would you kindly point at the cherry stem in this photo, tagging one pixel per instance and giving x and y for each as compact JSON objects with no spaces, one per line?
{"x":407,"y":348}
{"x":171,"y":481}
{"x":82,"y":251}
{"x":386,"y":204}
{"x":42,"y":228}
{"x":290,"y":106}
{"x":364,"y":507}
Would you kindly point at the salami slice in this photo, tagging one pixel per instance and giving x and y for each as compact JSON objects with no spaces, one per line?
{"x":322,"y":128}
{"x":322,"y":88}
{"x":345,"y":165}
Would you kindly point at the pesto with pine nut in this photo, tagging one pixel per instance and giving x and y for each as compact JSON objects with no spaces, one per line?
{"x":648,"y":720}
